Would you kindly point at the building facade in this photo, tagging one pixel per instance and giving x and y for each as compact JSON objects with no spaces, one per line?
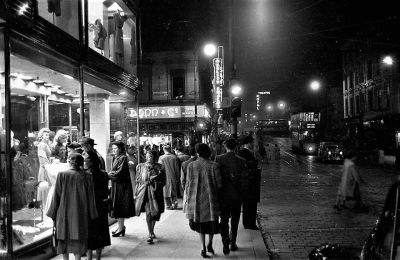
{"x":172,"y":104}
{"x":66,"y":69}
{"x":371,"y":95}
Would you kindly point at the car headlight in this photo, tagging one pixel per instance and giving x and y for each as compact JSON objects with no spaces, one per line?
{"x":329,"y":153}
{"x":341,"y":153}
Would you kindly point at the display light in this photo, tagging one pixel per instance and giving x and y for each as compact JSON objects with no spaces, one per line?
{"x":388,"y":60}
{"x":315,"y":85}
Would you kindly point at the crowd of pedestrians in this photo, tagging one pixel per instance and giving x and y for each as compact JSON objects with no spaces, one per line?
{"x":215,"y":181}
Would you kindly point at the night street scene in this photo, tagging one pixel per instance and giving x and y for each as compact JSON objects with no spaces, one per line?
{"x":191,"y":129}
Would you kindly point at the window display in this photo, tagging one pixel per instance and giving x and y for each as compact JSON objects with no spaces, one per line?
{"x":112,"y":32}
{"x":63,"y":14}
{"x":44,"y":119}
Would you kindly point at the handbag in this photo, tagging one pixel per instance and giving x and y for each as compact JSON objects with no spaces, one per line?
{"x":153,"y":205}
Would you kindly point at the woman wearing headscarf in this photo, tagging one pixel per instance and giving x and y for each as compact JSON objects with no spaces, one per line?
{"x":72,"y":207}
{"x":200,"y":200}
{"x":122,"y":204}
{"x":150,"y":180}
{"x":99,"y":234}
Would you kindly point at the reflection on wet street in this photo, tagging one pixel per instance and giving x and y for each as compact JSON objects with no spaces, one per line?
{"x":297,"y":197}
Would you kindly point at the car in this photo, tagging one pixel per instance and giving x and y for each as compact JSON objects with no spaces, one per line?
{"x":330,"y":151}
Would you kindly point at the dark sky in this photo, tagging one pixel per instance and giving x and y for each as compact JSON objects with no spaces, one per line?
{"x":282,"y":44}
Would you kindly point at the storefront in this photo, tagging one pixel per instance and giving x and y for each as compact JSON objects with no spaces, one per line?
{"x":178,"y":125}
{"x":57,"y":84}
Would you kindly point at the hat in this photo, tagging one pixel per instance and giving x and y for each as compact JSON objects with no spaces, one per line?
{"x":248,"y":139}
{"x":86,"y":140}
{"x":117,"y":133}
{"x":166,"y":146}
{"x":74,"y":145}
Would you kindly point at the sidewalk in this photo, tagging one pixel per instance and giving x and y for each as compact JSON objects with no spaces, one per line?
{"x":175,"y":240}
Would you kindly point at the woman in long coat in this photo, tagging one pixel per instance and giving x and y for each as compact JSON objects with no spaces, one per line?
{"x":349,"y":188}
{"x":72,"y":207}
{"x":150,"y":175}
{"x":99,"y":234}
{"x":122,"y":204}
{"x":201,"y":197}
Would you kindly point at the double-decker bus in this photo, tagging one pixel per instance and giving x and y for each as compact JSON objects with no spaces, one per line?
{"x":273,"y":127}
{"x":305,"y":132}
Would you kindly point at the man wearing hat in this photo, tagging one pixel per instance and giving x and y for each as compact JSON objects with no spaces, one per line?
{"x":233,"y":173}
{"x":252,"y":193}
{"x":88,"y":146}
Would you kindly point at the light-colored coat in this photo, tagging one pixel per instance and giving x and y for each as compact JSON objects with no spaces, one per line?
{"x":200,"y":200}
{"x":172,"y":171}
{"x":349,"y":186}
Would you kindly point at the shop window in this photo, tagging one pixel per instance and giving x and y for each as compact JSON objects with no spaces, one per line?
{"x":63,"y":14}
{"x":178,"y":84}
{"x":112,"y":32}
{"x":3,"y":128}
{"x":45,"y":117}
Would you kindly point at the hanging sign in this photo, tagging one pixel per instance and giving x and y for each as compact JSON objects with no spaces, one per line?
{"x":218,"y":71}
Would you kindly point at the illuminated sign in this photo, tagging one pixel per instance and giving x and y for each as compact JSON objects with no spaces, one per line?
{"x":168,"y":112}
{"x":218,"y":71}
{"x":218,"y":98}
{"x":264,"y":93}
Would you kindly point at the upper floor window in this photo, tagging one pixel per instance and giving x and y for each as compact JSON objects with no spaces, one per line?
{"x":178,"y":83}
{"x":112,"y":32}
{"x":63,"y":14}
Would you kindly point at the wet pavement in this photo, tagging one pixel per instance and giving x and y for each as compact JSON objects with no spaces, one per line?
{"x":296,"y":210}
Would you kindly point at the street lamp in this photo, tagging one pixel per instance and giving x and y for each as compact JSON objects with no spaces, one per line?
{"x":315,"y":85}
{"x":210,"y":49}
{"x":388,"y":60}
{"x":236,"y":90}
{"x":281,"y":105}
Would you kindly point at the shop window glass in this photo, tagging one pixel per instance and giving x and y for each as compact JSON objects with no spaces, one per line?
{"x":44,"y":118}
{"x":3,"y":190}
{"x":108,"y":112}
{"x":112,"y":32}
{"x":63,"y":14}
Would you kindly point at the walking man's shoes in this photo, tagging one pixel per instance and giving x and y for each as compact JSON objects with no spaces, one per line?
{"x":225,"y":249}
{"x":234,"y":247}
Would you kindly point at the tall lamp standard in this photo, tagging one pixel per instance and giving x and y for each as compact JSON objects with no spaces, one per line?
{"x":315,"y":86}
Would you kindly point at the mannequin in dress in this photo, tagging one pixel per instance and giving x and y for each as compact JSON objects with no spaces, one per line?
{"x":44,"y":153}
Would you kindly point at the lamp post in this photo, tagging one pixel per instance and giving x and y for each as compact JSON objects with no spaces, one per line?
{"x":236,"y":103}
{"x":316,"y":86}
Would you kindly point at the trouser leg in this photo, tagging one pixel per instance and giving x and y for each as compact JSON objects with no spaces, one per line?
{"x":224,"y":225}
{"x":235,"y":216}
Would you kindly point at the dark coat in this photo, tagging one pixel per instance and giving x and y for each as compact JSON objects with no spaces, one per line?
{"x":99,"y":235}
{"x":122,"y":204}
{"x":234,"y":177}
{"x":146,"y":175}
{"x":73,"y":205}
{"x":254,"y":176}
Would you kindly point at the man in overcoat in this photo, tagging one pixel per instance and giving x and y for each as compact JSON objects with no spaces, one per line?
{"x":252,"y":193}
{"x":234,"y":182}
{"x":171,"y":164}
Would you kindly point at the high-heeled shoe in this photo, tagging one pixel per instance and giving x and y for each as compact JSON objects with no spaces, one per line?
{"x":204,"y":254}
{"x":150,"y":241}
{"x":120,"y":233}
{"x":153,"y":236}
{"x":116,"y":230}
{"x":210,"y":249}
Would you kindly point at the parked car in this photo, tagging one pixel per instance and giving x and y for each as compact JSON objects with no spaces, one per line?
{"x":329,"y":151}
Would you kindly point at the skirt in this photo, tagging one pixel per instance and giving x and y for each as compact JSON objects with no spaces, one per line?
{"x":71,"y":246}
{"x":99,"y":234}
{"x":210,"y":227}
